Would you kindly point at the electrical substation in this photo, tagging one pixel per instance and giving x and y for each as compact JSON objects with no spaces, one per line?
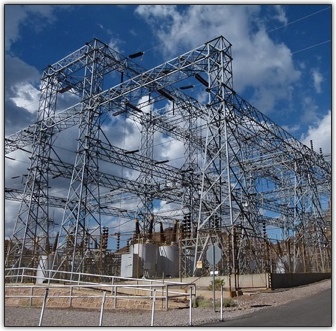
{"x":240,"y":182}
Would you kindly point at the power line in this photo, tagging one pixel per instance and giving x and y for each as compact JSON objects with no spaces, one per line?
{"x":309,"y":47}
{"x":299,"y":19}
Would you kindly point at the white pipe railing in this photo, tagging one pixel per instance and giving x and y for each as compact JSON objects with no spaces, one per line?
{"x":113,"y":285}
{"x":104,"y":287}
{"x":104,"y":296}
{"x":153,"y":307}
{"x":190,"y":307}
{"x":27,"y":273}
{"x":221,"y":304}
{"x":114,"y":295}
{"x":43,"y":305}
{"x":102,"y":309}
{"x":80,"y":275}
{"x":71,"y":296}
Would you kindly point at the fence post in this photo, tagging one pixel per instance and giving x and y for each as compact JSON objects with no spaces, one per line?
{"x":31,"y":296}
{"x":162,"y":304}
{"x":49,"y":276}
{"x":190,"y":307}
{"x":115,"y":296}
{"x":22,"y":275}
{"x":153,"y":307}
{"x":102,"y":309}
{"x":43,"y":305}
{"x":167,"y":297}
{"x":221,"y":304}
{"x":70,"y":294}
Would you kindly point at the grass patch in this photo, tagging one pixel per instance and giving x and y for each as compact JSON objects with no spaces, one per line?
{"x":218,"y":284}
{"x":201,"y":302}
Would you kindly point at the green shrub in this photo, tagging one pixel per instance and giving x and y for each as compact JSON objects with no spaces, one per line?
{"x":218,"y":284}
{"x":228,"y":302}
{"x":201,"y":302}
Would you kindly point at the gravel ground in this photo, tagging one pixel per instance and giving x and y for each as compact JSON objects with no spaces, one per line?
{"x":19,"y":316}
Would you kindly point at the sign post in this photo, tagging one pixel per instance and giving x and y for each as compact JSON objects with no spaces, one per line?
{"x":213,"y":255}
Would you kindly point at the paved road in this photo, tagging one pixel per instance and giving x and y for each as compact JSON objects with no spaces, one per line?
{"x":314,"y":310}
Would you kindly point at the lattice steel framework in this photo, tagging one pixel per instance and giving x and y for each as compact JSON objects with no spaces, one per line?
{"x":241,"y":177}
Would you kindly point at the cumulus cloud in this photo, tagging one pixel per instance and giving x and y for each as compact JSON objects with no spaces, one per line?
{"x":320,"y":134}
{"x":318,"y":79}
{"x":176,"y":28}
{"x":310,"y":111}
{"x":16,"y":16}
{"x":16,"y":117}
{"x":258,"y":61}
{"x":21,"y":94}
{"x":292,"y":129}
{"x":27,"y":97}
{"x":172,"y":150}
{"x":15,"y":174}
{"x":17,"y":73}
{"x":280,"y":14}
{"x":115,"y":43}
{"x":10,"y":215}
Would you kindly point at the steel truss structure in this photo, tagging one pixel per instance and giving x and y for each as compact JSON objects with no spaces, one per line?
{"x":240,"y":179}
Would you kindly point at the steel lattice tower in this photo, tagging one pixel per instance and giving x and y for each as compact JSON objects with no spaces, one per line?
{"x":241,"y":175}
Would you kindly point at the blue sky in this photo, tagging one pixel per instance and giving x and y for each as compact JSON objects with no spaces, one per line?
{"x":281,"y":55}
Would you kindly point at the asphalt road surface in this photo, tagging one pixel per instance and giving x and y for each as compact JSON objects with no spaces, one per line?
{"x":314,"y":310}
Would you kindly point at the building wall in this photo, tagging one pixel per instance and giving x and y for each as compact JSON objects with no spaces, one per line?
{"x":296,"y":279}
{"x":262,"y":280}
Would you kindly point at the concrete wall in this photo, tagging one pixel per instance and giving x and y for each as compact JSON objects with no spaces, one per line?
{"x":20,"y":298}
{"x":296,"y":279}
{"x":261,"y":280}
{"x":243,"y":281}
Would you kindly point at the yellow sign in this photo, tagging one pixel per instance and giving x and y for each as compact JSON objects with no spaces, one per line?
{"x":199,"y":265}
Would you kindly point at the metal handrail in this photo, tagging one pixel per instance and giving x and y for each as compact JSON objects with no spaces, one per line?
{"x":114,"y":293}
{"x":80,"y":275}
{"x":152,"y":297}
{"x":166,"y":287}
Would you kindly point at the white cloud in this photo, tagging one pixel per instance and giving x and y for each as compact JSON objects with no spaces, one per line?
{"x":164,"y":208}
{"x":144,"y":104}
{"x":292,"y":129}
{"x":115,"y":43}
{"x":280,"y":14}
{"x":17,"y":15}
{"x":14,"y":16}
{"x":27,"y":97}
{"x":11,"y":211}
{"x":318,"y":79}
{"x":17,"y":73}
{"x":172,"y":150}
{"x":16,"y":117}
{"x":15,"y":168}
{"x":21,"y":94}
{"x":310,"y":109}
{"x":153,"y":12}
{"x":132,"y":135}
{"x":258,"y":61}
{"x":320,"y":134}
